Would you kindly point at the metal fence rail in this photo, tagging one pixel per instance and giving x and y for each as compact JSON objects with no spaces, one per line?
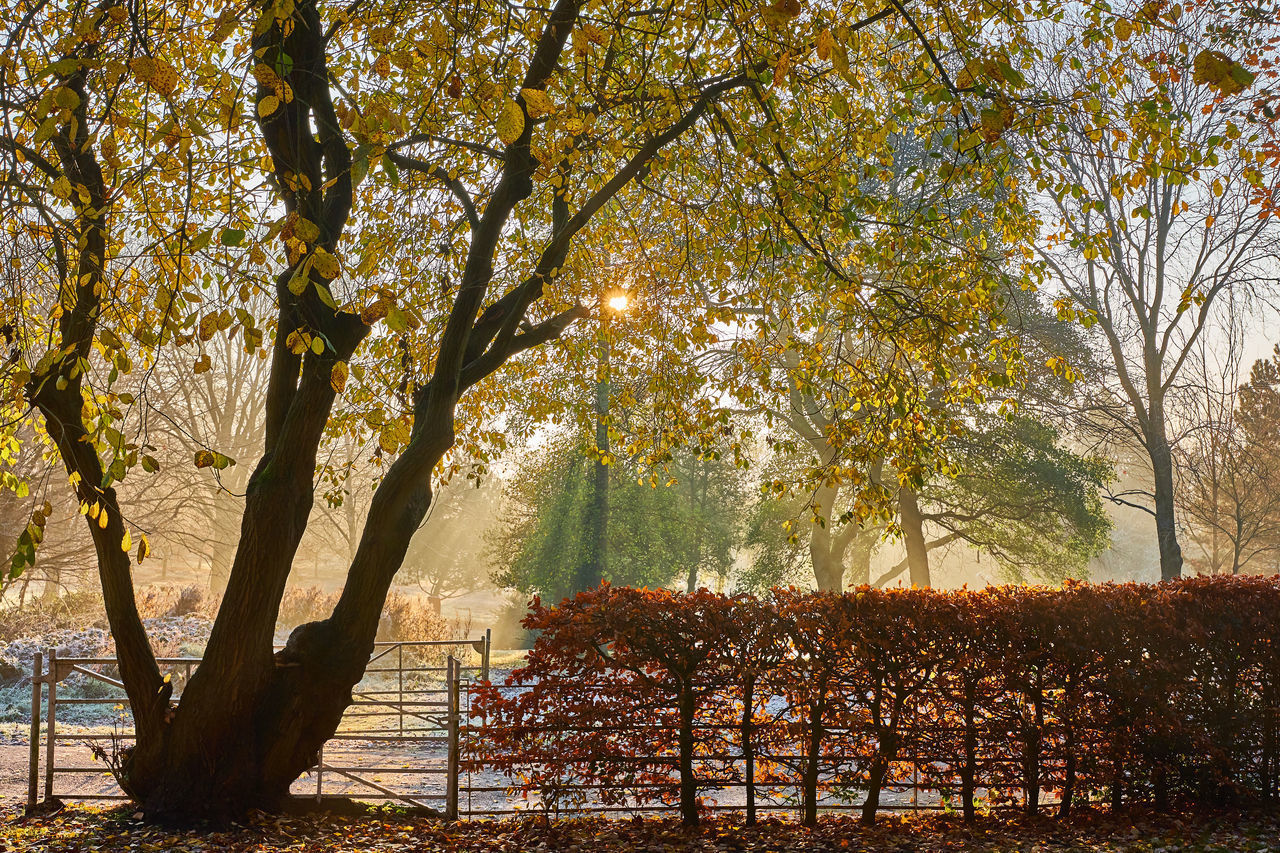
{"x":405,"y":700}
{"x":547,"y":779}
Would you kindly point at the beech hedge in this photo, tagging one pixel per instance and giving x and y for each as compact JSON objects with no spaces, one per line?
{"x":1023,"y":696}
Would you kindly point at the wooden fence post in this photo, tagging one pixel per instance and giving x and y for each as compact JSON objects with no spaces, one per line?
{"x":33,"y":771}
{"x":484,"y":659}
{"x":452,"y":680}
{"x":50,"y":723}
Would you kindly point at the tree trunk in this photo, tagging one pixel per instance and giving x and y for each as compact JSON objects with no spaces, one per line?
{"x":1070,"y":747}
{"x":699,"y":521}
{"x":252,"y":721}
{"x":1237,"y":541}
{"x":913,"y":537}
{"x":812,"y":763}
{"x":592,"y":571}
{"x":886,"y":751}
{"x":688,"y":781}
{"x":746,"y":731}
{"x":1215,"y":533}
{"x":226,"y":509}
{"x":968,"y":768}
{"x":1032,"y":744}
{"x":828,"y":570}
{"x":1162,"y":471}
{"x":56,"y":389}
{"x":52,"y":585}
{"x":860,"y":561}
{"x":827,"y":557}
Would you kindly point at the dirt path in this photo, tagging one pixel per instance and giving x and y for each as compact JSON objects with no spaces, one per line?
{"x":13,"y":776}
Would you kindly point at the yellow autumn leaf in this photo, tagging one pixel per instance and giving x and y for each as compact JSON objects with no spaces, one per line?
{"x":298,"y":281}
{"x":338,"y":377}
{"x":266,"y":76}
{"x":825,"y":43}
{"x":306,"y":230}
{"x":295,"y":343}
{"x":1124,"y":29}
{"x":268,"y":105}
{"x":538,"y":103}
{"x":510,"y":122}
{"x":782,"y":67}
{"x":164,"y":79}
{"x":144,"y":548}
{"x":127,"y":541}
{"x":387,"y":439}
{"x":1218,"y":71}
{"x":371,"y":314}
{"x":326,"y":263}
{"x":143,"y":67}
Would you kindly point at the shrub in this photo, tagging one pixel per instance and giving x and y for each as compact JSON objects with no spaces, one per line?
{"x":1130,"y":691}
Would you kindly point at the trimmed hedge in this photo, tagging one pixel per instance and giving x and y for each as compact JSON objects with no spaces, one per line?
{"x":1115,"y":692}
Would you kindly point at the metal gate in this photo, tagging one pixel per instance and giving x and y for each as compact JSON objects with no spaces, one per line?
{"x":398,"y":741}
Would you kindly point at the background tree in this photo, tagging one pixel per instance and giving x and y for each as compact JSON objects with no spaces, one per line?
{"x":1021,"y":497}
{"x":1016,"y":495}
{"x":662,"y":527}
{"x":1229,"y":484}
{"x":1151,"y":197}
{"x":447,"y":556}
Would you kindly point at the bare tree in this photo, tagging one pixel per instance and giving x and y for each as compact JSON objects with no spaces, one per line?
{"x":1152,"y":224}
{"x":1229,"y":483}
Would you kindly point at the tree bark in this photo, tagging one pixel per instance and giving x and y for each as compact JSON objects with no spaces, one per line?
{"x":1166,"y":521}
{"x":862,"y":549}
{"x":913,"y":537}
{"x":829,"y":550}
{"x":886,"y":751}
{"x":746,"y":733}
{"x":1033,"y":741}
{"x":699,"y":521}
{"x":56,"y":389}
{"x":969,"y":764}
{"x":688,"y":781}
{"x":222,"y":526}
{"x":813,"y":760}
